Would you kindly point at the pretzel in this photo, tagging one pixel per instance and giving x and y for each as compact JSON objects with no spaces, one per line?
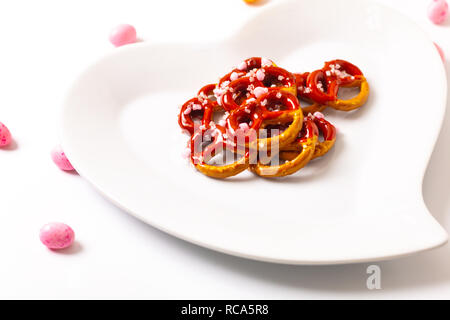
{"x":322,"y":86}
{"x":200,"y":107}
{"x":273,"y":107}
{"x":328,"y":132}
{"x":258,"y":96}
{"x":199,"y":158}
{"x":238,"y":91}
{"x":300,"y":82}
{"x":306,"y":146}
{"x":270,"y":111}
{"x":279,"y":78}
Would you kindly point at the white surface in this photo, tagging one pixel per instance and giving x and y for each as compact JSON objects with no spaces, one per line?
{"x":131,"y":143}
{"x":118,"y":256}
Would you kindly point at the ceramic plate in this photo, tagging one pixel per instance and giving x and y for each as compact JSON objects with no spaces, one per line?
{"x":361,"y":202}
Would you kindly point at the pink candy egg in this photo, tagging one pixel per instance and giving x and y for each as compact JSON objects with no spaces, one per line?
{"x":122,"y":34}
{"x":441,"y":52}
{"x":5,"y":135}
{"x":57,"y":235}
{"x":60,"y":159}
{"x":438,"y":11}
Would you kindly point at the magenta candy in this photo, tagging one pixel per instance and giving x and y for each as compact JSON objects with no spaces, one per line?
{"x":438,"y":11}
{"x":5,"y":135}
{"x":122,"y":34}
{"x":57,"y":235}
{"x":60,"y":159}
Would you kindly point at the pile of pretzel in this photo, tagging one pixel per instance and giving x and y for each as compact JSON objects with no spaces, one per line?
{"x":263,"y":124}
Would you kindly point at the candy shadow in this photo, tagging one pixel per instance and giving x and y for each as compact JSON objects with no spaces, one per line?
{"x":11,"y":147}
{"x":75,"y":248}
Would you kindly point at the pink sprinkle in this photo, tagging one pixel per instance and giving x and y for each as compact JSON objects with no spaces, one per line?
{"x":5,"y":135}
{"x":234,"y":76}
{"x":222,"y":123}
{"x":242,"y":66}
{"x":265,"y":62}
{"x":196,"y":107}
{"x":441,"y":52}
{"x":187,"y":110}
{"x":280,"y":78}
{"x":186,"y":153}
{"x":60,"y":159}
{"x":259,"y":91}
{"x":122,"y":34}
{"x":319,"y":115}
{"x":56,"y":235}
{"x":438,"y":11}
{"x":260,"y":75}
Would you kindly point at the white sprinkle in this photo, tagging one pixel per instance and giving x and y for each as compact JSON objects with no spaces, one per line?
{"x":196,"y":107}
{"x":280,"y":78}
{"x":279,"y":95}
{"x":318,"y":115}
{"x":320,"y":86}
{"x":265,"y":62}
{"x":259,"y":91}
{"x":234,"y":76}
{"x":242,"y":65}
{"x":264,"y":102}
{"x":187,"y":110}
{"x":260,"y":74}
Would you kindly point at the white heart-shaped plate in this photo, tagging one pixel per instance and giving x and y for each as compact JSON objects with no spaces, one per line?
{"x":361,"y":202}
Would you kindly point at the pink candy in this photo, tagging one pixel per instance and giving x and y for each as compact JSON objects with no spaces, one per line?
{"x":5,"y":135}
{"x":441,"y":52}
{"x":56,"y":235}
{"x":438,"y":11}
{"x":60,"y":159}
{"x":123,"y":34}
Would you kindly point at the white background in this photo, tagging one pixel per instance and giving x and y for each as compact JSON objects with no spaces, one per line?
{"x":44,"y":45}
